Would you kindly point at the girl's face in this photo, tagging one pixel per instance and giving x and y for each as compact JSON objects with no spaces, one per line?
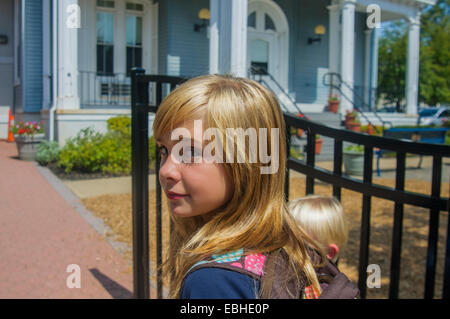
{"x":204,"y":186}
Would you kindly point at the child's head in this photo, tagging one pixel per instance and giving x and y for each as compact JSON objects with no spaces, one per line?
{"x":210,"y":109}
{"x":232,"y":199}
{"x":324,"y":220}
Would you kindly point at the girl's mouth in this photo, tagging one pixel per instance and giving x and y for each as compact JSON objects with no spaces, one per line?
{"x":174,"y":196}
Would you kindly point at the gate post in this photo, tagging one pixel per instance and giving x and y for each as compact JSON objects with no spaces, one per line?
{"x":139,"y":160}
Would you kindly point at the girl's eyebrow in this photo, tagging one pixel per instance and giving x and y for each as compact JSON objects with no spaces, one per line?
{"x":190,"y":139}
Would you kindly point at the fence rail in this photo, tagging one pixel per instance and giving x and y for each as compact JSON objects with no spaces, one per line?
{"x":147,"y":93}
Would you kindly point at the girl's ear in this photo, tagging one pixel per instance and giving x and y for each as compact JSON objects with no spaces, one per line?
{"x":332,"y":251}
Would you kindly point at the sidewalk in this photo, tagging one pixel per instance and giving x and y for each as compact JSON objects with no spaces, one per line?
{"x":41,"y":234}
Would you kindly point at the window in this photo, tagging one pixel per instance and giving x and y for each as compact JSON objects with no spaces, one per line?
{"x":134,"y":6}
{"x":105,"y":43}
{"x":134,"y":42}
{"x":251,"y":21}
{"x":105,"y":3}
{"x":268,"y":22}
{"x":259,"y":55}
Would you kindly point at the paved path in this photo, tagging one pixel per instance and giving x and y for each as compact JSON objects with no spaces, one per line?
{"x":41,"y":234}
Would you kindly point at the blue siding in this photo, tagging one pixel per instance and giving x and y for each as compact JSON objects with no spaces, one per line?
{"x":32,"y":57}
{"x":179,"y":43}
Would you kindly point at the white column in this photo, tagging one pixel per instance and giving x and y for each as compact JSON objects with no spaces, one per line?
{"x":367,"y":65}
{"x":214,"y":7}
{"x":239,"y":37}
{"x":374,"y":67}
{"x":233,"y":37}
{"x":120,"y":39}
{"x":46,"y":53}
{"x":347,"y":53}
{"x":67,"y":57}
{"x":412,"y":71}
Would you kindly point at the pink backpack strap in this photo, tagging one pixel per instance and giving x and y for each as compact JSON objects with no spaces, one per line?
{"x":250,"y":264}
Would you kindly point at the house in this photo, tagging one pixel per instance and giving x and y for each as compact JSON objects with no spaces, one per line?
{"x":67,"y":62}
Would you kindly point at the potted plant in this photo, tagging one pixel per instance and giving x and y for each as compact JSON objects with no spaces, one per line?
{"x":300,"y":131}
{"x":319,"y":142}
{"x":353,"y":157}
{"x":28,"y":136}
{"x":333,"y":103}
{"x":352,"y":121}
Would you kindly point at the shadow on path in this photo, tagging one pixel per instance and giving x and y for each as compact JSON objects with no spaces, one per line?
{"x":116,"y":290}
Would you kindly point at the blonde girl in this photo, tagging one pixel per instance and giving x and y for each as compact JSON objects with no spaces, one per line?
{"x":219,"y":208}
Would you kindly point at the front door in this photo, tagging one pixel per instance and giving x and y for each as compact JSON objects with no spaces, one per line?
{"x":267,"y":41}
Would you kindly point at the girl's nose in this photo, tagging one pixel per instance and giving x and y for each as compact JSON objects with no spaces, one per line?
{"x":169,"y":170}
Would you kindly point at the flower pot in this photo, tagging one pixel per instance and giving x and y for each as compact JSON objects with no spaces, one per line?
{"x":349,"y":119}
{"x":353,"y":163}
{"x":318,"y":147}
{"x":354,"y":126}
{"x":333,"y":106}
{"x":27,"y":145}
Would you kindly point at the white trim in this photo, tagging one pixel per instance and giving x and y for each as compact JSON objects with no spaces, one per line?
{"x":402,"y":9}
{"x":46,"y":52}
{"x":279,"y":40}
{"x":214,"y":37}
{"x":17,"y":42}
{"x":347,"y":54}
{"x":67,"y":60}
{"x":238,"y":37}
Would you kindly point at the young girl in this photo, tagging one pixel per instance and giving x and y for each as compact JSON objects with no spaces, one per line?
{"x":230,"y":209}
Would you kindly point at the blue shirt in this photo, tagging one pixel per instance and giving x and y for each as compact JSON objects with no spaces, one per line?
{"x":219,"y":283}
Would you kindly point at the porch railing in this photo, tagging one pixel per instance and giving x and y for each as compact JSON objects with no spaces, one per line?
{"x":104,"y":90}
{"x":145,"y":100}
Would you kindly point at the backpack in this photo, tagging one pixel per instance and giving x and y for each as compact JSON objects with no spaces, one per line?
{"x":334,"y":284}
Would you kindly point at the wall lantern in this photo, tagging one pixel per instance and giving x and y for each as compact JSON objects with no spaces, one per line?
{"x":318,"y":30}
{"x":203,"y":15}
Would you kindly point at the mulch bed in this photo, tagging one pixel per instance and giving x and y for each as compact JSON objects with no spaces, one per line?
{"x":115,"y":210}
{"x":77,"y":175}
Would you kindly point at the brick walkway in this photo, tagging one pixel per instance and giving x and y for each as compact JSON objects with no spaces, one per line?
{"x":41,"y":234}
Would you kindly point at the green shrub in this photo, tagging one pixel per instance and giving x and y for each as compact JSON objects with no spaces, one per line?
{"x":108,"y":153}
{"x":120,"y":124}
{"x":296,"y":154}
{"x":83,"y":152}
{"x":355,"y":148}
{"x":47,"y":152}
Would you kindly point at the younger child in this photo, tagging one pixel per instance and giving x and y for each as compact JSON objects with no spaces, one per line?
{"x":323,"y":219}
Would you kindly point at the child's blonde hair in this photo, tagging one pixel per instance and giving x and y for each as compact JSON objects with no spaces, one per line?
{"x":322,"y":217}
{"x":256,"y":217}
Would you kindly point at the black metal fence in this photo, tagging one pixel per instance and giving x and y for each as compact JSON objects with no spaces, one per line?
{"x":147,"y":92}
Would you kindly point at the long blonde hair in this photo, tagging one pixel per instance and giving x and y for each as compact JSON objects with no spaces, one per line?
{"x":256,"y":217}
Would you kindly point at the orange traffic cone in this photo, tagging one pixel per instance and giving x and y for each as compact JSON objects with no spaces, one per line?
{"x":10,"y":134}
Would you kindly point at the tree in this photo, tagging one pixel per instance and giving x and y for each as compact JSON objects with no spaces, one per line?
{"x":392,"y":63}
{"x":434,"y":69}
{"x":434,"y":74}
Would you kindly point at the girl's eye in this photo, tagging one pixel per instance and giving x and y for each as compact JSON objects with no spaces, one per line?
{"x":194,"y":153}
{"x":162,"y":150}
